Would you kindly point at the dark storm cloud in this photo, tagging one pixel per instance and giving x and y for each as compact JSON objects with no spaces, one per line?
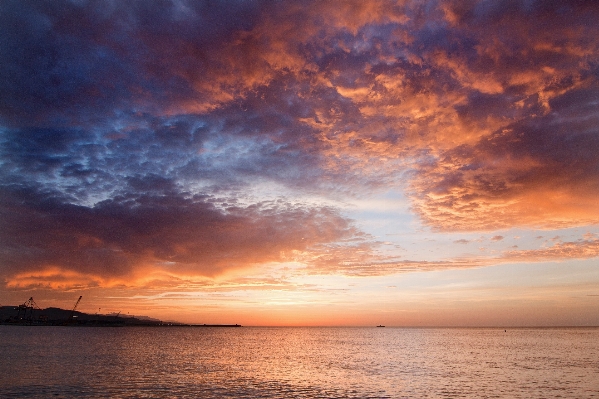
{"x":126,"y":234}
{"x":82,"y":60}
{"x":41,"y":150}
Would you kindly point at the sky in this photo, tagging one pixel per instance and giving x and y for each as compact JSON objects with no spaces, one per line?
{"x":343,"y":163}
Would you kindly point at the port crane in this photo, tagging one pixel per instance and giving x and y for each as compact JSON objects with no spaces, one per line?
{"x":25,"y":311}
{"x":70,"y":320}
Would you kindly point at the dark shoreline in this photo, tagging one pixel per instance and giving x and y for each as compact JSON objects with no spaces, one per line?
{"x":24,"y":315}
{"x":119,"y":325}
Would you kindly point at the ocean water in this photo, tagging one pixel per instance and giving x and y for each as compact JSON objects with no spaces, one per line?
{"x":261,"y":362}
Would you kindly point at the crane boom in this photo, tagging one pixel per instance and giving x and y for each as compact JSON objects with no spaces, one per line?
{"x":75,"y":307}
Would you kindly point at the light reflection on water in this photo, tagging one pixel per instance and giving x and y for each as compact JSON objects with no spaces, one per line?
{"x":187,"y":362}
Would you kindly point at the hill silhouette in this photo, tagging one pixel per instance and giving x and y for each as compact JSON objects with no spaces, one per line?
{"x":20,"y":315}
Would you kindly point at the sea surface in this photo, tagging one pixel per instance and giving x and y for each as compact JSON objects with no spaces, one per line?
{"x":262,"y":362}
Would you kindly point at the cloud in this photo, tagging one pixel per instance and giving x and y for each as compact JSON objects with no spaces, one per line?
{"x":132,"y":133}
{"x":539,"y":172}
{"x":585,"y":249}
{"x":115,"y":239}
{"x":363,"y":259}
{"x":123,"y":60}
{"x":496,"y":238}
{"x":171,"y":241}
{"x":530,"y":162}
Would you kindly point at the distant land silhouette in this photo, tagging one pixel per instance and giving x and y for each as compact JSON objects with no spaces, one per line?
{"x":56,"y":316}
{"x":29,"y":316}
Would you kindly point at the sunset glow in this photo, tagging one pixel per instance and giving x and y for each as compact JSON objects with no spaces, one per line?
{"x":403,"y":163}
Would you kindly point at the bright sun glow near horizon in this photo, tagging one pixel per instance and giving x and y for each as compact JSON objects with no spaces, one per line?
{"x":303,"y":163}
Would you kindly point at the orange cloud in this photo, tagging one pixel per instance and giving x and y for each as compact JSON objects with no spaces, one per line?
{"x":363,"y":259}
{"x":53,"y":278}
{"x":540,"y":173}
{"x":584,"y":249}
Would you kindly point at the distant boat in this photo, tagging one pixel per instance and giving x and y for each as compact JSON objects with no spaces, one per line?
{"x":380,"y":326}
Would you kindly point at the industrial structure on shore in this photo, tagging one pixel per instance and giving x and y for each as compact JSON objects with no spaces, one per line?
{"x":30,"y":314}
